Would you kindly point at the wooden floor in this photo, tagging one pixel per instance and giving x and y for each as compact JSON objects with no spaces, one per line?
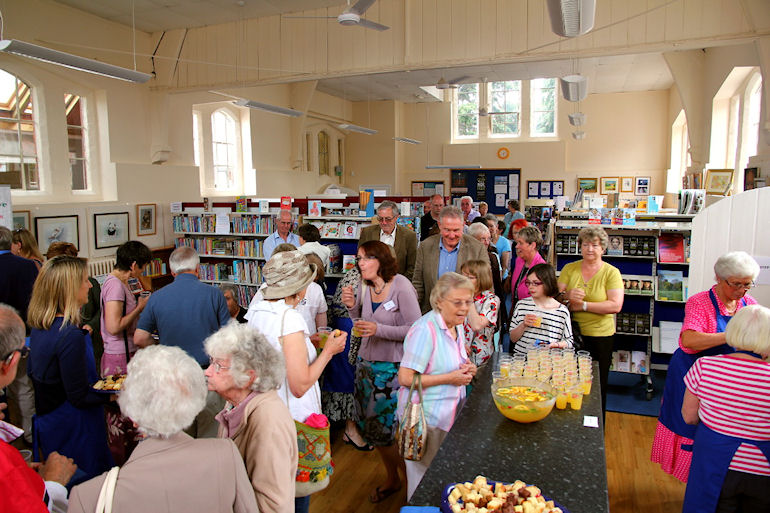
{"x":635,"y":484}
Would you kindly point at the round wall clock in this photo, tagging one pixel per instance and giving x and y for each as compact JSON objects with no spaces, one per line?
{"x":503,"y":153}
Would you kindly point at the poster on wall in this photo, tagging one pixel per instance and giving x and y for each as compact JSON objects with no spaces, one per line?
{"x":6,"y":209}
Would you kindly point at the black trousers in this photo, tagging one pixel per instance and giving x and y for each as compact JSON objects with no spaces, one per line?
{"x":601,"y":351}
{"x":743,"y":492}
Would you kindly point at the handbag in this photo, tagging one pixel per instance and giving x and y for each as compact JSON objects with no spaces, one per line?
{"x":412,"y":434}
{"x":314,"y":448}
{"x":107,"y":492}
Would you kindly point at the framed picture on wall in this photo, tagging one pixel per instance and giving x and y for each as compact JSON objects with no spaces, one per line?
{"x":110,"y":230}
{"x":558,"y":188}
{"x":627,"y":184}
{"x":21,"y":219}
{"x":697,"y":181}
{"x":609,"y":185}
{"x":749,"y":175}
{"x":56,"y":229}
{"x":642,"y":186}
{"x":588,"y":184}
{"x":145,"y":219}
{"x":718,"y":181}
{"x":545,"y":189}
{"x":533,"y":189}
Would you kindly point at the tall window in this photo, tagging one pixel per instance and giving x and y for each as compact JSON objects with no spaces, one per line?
{"x":18,"y":150}
{"x":223,"y":142}
{"x":753,"y":111}
{"x":76,"y":139}
{"x":196,"y":139}
{"x":323,"y":153}
{"x":505,"y":108}
{"x":468,"y":110}
{"x":543,"y":107}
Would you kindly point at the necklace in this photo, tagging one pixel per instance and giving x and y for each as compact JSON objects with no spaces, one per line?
{"x":378,"y":292}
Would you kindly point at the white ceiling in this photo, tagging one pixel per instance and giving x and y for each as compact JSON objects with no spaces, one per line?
{"x":624,"y":73}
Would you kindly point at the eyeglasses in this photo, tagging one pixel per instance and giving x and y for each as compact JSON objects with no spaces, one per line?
{"x":386,"y":219}
{"x":457,"y":303}
{"x":745,"y":286}
{"x":23,"y":351}
{"x":365,"y":257}
{"x":529,"y":283}
{"x":217,"y":366}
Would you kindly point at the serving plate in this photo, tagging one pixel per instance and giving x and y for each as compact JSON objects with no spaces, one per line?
{"x":447,"y":508}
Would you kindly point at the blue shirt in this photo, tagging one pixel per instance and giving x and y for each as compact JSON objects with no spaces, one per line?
{"x":447,"y":260}
{"x":185,"y":312}
{"x":510,"y":217}
{"x":502,"y":245}
{"x":274,"y":239}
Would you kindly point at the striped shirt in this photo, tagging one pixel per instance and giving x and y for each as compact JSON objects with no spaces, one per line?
{"x":429,"y":349}
{"x":734,"y":398}
{"x":554,"y":327}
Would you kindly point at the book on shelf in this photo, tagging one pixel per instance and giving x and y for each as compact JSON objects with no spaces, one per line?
{"x":331,"y":229}
{"x":335,"y":258}
{"x":348,"y":262}
{"x":594,"y":216}
{"x":615,"y":247}
{"x":240,"y":204}
{"x":350,"y":230}
{"x":606,"y":215}
{"x":629,"y":216}
{"x":639,"y":362}
{"x":671,"y":248}
{"x":670,"y":285}
{"x":624,"y":361}
{"x":314,"y":208}
{"x":632,"y":285}
{"x":264,"y":207}
{"x":285,"y":202}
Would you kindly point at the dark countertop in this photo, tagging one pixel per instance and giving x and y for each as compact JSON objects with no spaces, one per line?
{"x":558,"y":454}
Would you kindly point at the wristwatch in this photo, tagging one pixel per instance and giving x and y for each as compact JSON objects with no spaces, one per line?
{"x":585,"y":306}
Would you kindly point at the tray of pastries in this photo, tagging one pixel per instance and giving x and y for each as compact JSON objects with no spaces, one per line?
{"x":487,"y":496}
{"x":110,"y":384}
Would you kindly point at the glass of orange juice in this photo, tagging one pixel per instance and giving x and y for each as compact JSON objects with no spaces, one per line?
{"x":576,"y":397}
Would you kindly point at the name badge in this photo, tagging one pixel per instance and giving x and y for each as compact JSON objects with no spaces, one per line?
{"x":390,"y":305}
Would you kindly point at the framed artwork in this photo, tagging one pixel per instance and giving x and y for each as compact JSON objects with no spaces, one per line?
{"x":110,"y":230}
{"x":545,"y":189}
{"x":21,"y":219}
{"x":642,"y":186}
{"x":627,"y":184}
{"x":145,"y":219}
{"x":56,"y":229}
{"x":533,"y":189}
{"x":588,"y":184}
{"x":558,"y":188}
{"x":609,"y":185}
{"x":718,"y":181}
{"x":749,"y":175}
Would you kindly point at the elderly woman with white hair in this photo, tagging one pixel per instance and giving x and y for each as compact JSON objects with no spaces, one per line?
{"x":246,"y":371}
{"x":728,"y":398}
{"x":435,"y":348}
{"x":169,"y":472}
{"x":706,"y":315}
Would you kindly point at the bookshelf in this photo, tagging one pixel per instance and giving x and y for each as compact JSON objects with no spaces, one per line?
{"x":645,"y":253}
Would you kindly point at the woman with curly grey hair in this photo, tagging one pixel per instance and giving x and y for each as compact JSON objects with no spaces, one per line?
{"x":170,"y":472}
{"x":246,"y":371}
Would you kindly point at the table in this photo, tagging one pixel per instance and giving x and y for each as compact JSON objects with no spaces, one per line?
{"x":558,"y":454}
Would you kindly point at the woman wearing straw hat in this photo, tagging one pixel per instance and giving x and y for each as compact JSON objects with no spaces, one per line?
{"x":287,"y":276}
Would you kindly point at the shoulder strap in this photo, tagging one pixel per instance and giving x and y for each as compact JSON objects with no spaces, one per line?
{"x":107,"y":492}
{"x":125,"y":331}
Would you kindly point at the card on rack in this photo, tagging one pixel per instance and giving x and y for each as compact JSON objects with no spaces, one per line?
{"x":313,"y":208}
{"x":671,"y":248}
{"x":331,"y":230}
{"x":350,"y":230}
{"x":670,"y":285}
{"x":264,"y":207}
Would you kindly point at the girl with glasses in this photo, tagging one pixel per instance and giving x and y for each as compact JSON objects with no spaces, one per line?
{"x":539,"y":320}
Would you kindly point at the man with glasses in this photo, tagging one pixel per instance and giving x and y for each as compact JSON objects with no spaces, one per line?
{"x":429,"y":222}
{"x":401,"y":239}
{"x":21,"y":488}
{"x":284,"y":223}
{"x":445,"y":252}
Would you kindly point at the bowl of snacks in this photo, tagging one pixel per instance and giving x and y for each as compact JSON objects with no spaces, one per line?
{"x":523,"y":399}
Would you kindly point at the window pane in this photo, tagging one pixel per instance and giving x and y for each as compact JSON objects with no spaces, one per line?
{"x":78,"y":175}
{"x":543,"y":106}
{"x":542,"y":123}
{"x":17,"y":130}
{"x":196,"y":141}
{"x":76,"y":141}
{"x":468,"y":110}
{"x":224,"y":149}
{"x":507,"y":124}
{"x":323,"y":153}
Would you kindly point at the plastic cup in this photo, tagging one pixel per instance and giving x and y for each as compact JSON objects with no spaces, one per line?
{"x":576,"y":398}
{"x":561,"y":400}
{"x":586,"y":386}
{"x":505,"y":369}
{"x":355,"y":331}
{"x":537,"y":322}
{"x":323,"y":336}
{"x":496,"y":376}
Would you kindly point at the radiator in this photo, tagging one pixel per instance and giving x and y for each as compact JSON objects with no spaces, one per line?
{"x":101,"y":266}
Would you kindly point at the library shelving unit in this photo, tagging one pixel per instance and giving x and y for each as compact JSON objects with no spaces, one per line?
{"x":651,"y":256}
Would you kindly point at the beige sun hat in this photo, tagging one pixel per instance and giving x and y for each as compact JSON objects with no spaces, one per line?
{"x":286,"y":274}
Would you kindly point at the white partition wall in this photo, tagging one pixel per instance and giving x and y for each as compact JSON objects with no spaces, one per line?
{"x":740,"y":222}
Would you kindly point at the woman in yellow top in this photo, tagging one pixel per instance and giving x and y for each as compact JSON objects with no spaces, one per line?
{"x":594,"y":290}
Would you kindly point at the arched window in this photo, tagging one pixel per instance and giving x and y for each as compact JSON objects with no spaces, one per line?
{"x":323,"y":153}
{"x":223,"y":149}
{"x":752,"y":115}
{"x":18,"y":149}
{"x":680,"y":154}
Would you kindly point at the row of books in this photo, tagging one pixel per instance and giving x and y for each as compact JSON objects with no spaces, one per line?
{"x":618,"y":245}
{"x":338,"y":229}
{"x":239,"y":271}
{"x":638,"y":285}
{"x":691,"y":201}
{"x":621,"y":216}
{"x":630,"y":361}
{"x":206,"y":223}
{"x":156,"y":267}
{"x":224,"y":247}
{"x":638,"y":323}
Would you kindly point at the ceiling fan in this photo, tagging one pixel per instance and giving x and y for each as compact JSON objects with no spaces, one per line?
{"x":351,"y":16}
{"x":452,"y":84}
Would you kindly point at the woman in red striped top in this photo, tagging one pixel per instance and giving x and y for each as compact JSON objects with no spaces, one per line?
{"x":730,"y":395}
